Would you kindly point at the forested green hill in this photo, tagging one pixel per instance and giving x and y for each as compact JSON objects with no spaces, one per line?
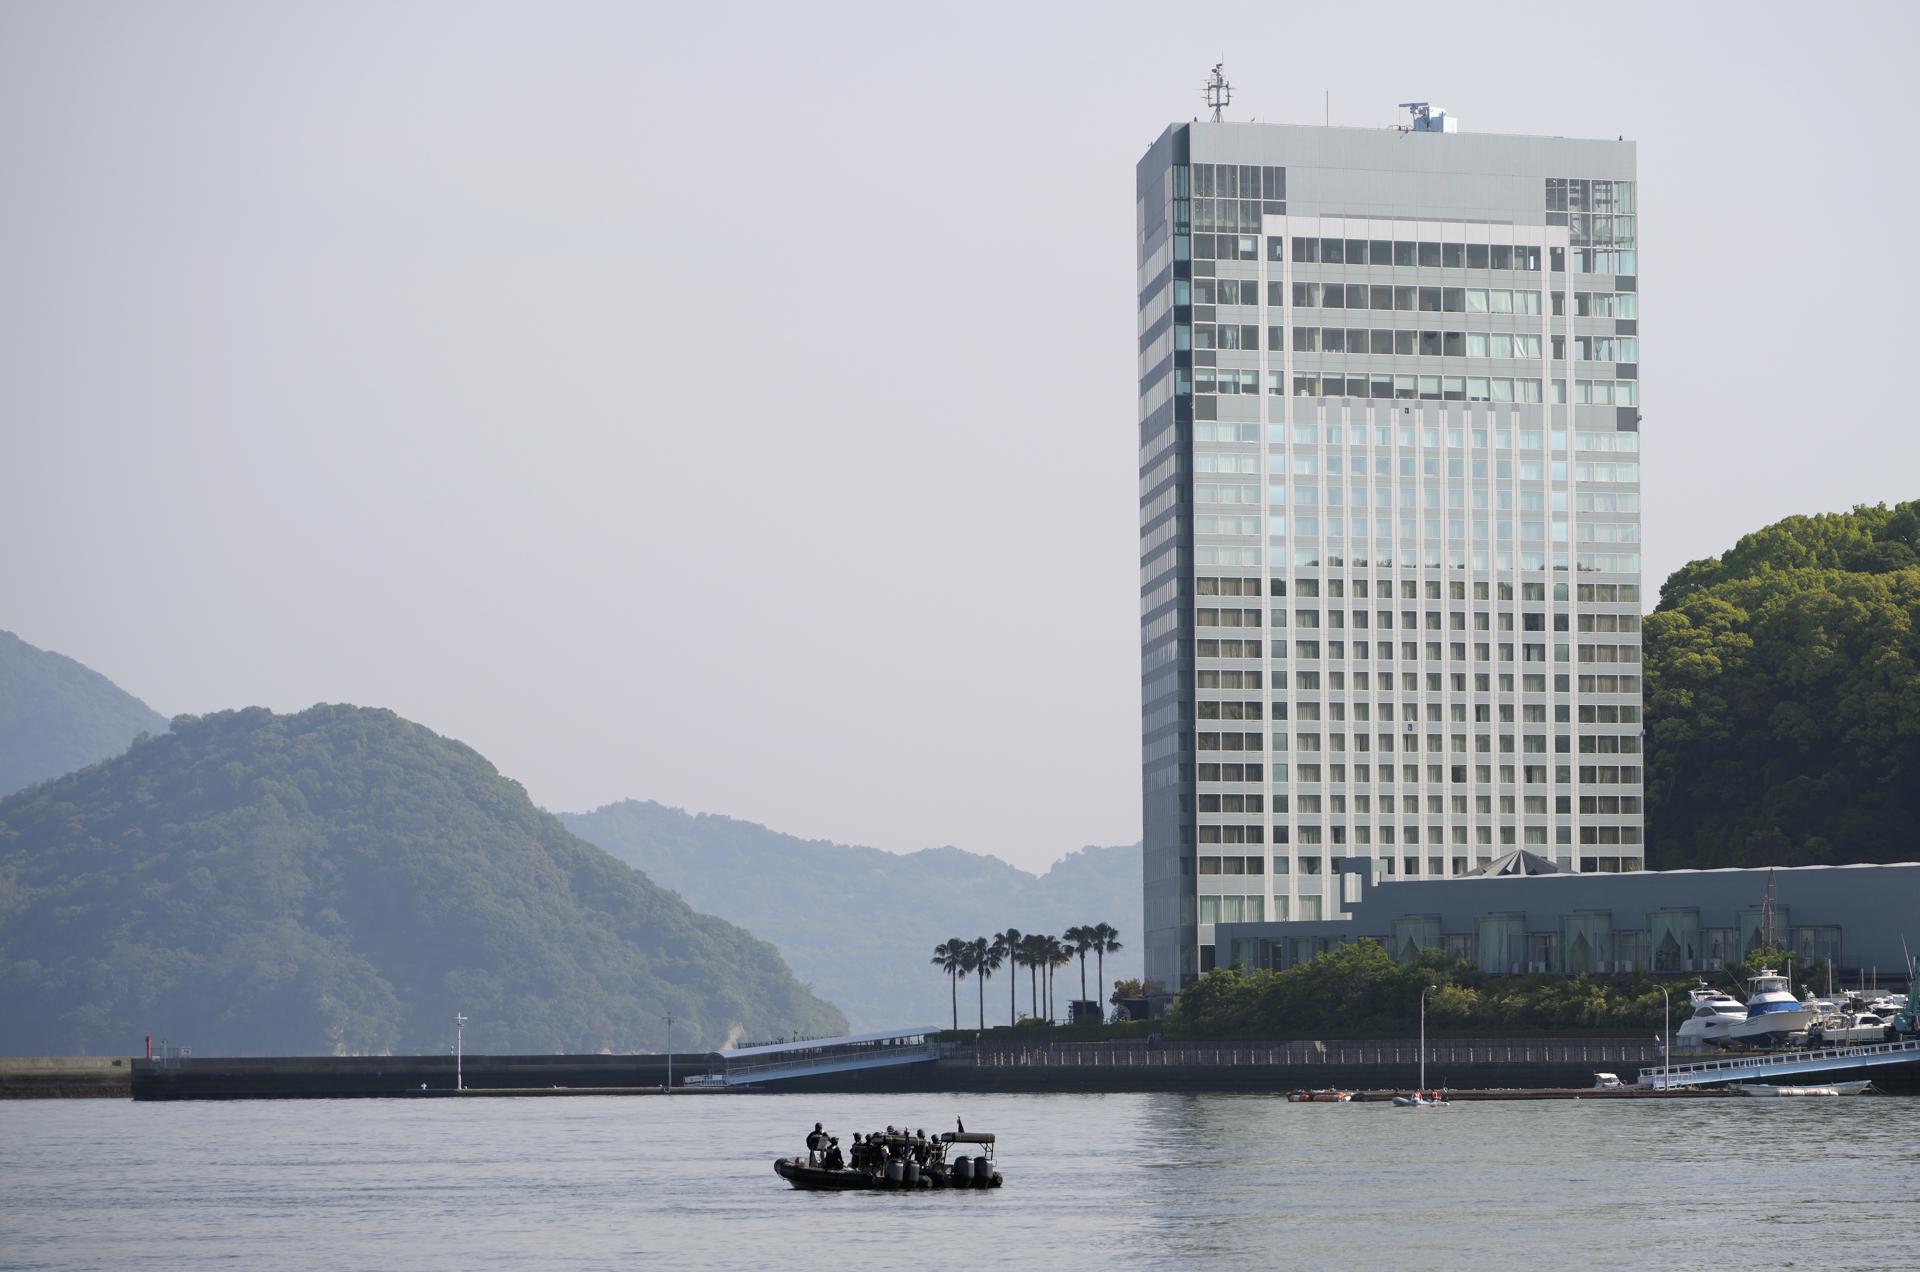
{"x":344,"y":880}
{"x":1782,"y":697}
{"x":57,"y":715}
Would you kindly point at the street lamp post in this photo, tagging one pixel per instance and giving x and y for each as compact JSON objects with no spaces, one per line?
{"x":459,"y":1050}
{"x":1666,"y":1043}
{"x":1421,"y":1094}
{"x":669,"y":1088}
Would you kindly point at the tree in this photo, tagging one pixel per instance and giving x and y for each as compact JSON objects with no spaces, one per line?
{"x":1761,"y":958}
{"x":950,"y":956}
{"x":1008,"y":943}
{"x":1106,"y":940}
{"x":1057,"y":956}
{"x":969,"y":963}
{"x":1361,"y":991}
{"x":1781,"y":682}
{"x":1124,"y":989}
{"x":1079,"y":941}
{"x":985,"y":956}
{"x":1033,"y":952}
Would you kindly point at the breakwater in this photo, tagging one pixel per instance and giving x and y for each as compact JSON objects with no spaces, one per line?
{"x":1489,"y":1065}
{"x":65,"y":1077}
{"x":397,"y":1077}
{"x":985,"y":1066}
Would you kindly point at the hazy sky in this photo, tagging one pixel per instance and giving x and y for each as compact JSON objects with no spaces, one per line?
{"x":734,"y":405}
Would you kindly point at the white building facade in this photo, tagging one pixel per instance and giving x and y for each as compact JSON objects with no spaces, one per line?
{"x":1389,"y":427}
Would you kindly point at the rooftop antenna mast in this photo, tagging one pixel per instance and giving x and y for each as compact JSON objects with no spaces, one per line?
{"x":1219,"y":92}
{"x":1766,"y":913}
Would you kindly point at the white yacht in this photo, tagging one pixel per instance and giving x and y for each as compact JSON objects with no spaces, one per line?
{"x":1772,"y":1012}
{"x":1714,"y":1015}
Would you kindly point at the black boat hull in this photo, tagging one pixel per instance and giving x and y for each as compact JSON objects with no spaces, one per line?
{"x":819,"y":1179}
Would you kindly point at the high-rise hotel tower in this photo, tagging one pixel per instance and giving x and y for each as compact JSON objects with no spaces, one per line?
{"x":1389,"y":515}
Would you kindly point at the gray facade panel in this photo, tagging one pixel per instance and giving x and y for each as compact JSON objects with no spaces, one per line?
{"x":1871,"y":906}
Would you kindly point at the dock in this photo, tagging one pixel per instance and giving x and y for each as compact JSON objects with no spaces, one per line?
{"x":1875,"y":1061}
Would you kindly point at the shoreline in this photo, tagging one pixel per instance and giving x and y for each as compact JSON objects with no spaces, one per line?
{"x":1477,"y":1069}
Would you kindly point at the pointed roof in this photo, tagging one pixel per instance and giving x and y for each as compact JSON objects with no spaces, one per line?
{"x":1517,"y":862}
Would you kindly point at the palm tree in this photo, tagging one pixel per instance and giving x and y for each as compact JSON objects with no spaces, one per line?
{"x":1080,"y":940}
{"x":1057,"y":955}
{"x":1106,"y":940}
{"x":985,"y":956}
{"x":1033,"y":948}
{"x":950,"y":957}
{"x":1062,"y":957}
{"x":969,"y":961}
{"x":1008,"y":943}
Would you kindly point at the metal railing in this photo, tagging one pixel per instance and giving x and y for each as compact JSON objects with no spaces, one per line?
{"x":1782,"y":1064}
{"x":821,"y":1060}
{"x":1477,"y":1051}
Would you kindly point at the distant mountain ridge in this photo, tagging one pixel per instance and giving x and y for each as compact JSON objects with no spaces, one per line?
{"x":859,"y":924}
{"x":58,"y":715}
{"x":343,"y":880}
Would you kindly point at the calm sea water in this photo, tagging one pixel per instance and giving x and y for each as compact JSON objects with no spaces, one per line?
{"x":1162,"y":1181}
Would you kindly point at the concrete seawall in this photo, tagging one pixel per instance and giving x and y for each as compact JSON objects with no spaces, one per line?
{"x":1003,"y":1066}
{"x":998,"y":1067}
{"x":65,"y":1077}
{"x":345,"y":1077}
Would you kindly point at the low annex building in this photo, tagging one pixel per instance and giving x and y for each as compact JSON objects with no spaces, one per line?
{"x":1521,"y":913}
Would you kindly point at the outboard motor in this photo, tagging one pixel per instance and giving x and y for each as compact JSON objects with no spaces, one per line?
{"x":910,"y":1175}
{"x":982,"y":1172}
{"x":896,"y":1171}
{"x":963,"y":1172}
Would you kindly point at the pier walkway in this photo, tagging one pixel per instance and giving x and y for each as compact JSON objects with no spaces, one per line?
{"x":813,"y":1057}
{"x":1826,"y":1062}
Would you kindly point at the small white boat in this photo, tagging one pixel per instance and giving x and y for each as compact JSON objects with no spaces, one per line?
{"x":1846,"y":1029}
{"x":1829,"y":1088}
